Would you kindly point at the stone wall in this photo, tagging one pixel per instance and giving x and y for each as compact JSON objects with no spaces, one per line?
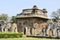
{"x":33,"y":26}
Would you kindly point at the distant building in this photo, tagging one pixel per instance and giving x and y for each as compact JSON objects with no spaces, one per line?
{"x":7,"y":26}
{"x":32,"y":21}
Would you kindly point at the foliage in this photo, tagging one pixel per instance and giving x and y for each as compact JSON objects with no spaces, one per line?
{"x":10,"y":35}
{"x":48,"y":21}
{"x":3,"y":17}
{"x":56,"y":15}
{"x":13,"y":19}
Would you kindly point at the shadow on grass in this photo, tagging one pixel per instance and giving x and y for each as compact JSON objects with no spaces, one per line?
{"x":44,"y":37}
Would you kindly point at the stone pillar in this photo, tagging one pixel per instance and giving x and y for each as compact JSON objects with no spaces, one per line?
{"x":2,"y":29}
{"x":26,"y":30}
{"x":49,"y":32}
{"x":5,"y":29}
{"x":44,"y":32}
{"x":59,"y":33}
{"x":55,"y":32}
{"x":33,"y":31}
{"x":16,"y":29}
{"x":30,"y":31}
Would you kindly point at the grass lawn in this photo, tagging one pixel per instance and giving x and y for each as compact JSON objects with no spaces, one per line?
{"x":27,"y":39}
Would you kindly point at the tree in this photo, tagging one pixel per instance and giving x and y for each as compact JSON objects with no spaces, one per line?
{"x":49,"y":21}
{"x":56,"y":15}
{"x":13,"y":19}
{"x":4,"y":17}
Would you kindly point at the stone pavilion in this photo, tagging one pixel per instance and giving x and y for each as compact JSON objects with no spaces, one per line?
{"x":32,"y":21}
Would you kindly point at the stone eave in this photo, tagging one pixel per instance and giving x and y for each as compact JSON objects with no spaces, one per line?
{"x":32,"y":17}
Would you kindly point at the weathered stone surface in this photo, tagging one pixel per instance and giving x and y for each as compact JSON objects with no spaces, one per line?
{"x":8,"y":27}
{"x":32,"y":21}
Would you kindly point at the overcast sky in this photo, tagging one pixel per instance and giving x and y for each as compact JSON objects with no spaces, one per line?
{"x":14,"y":7}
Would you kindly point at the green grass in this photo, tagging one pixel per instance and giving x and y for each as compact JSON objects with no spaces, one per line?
{"x":27,"y":39}
{"x":10,"y":35}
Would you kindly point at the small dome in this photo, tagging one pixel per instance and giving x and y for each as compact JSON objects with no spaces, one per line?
{"x":35,"y":7}
{"x":44,"y":10}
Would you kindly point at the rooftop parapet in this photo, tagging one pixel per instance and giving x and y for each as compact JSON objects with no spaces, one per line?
{"x":33,"y":12}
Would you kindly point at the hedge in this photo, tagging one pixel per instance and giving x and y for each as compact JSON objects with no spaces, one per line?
{"x":11,"y":35}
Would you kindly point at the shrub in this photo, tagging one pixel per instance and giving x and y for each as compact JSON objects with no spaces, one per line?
{"x":10,"y":35}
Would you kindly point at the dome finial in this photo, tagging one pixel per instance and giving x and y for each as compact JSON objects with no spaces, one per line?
{"x":35,"y":7}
